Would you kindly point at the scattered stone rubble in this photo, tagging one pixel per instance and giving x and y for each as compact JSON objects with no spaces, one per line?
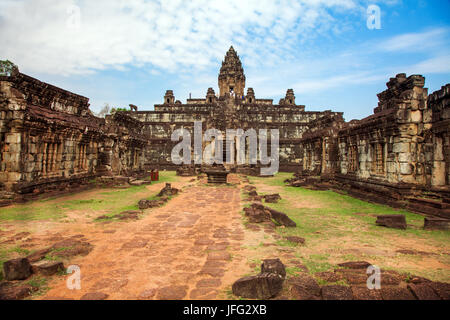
{"x":164,"y":196}
{"x":253,"y":195}
{"x":168,"y":191}
{"x":267,"y":284}
{"x":187,"y":171}
{"x":258,"y":213}
{"x":347,"y":282}
{"x":397,"y":221}
{"x":272,"y":198}
{"x":19,"y":269}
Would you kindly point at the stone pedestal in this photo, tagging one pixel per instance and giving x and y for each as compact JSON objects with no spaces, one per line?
{"x":217,"y":176}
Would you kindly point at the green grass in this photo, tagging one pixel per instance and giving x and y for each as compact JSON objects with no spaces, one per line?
{"x":322,"y":282}
{"x":111,"y":202}
{"x":39,"y":284}
{"x":293,"y":271}
{"x":316,"y":266}
{"x":336,"y":218}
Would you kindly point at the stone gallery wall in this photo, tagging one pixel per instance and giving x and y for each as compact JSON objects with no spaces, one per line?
{"x":398,"y":155}
{"x":439,"y":137}
{"x":50,"y":140}
{"x":226,"y":113}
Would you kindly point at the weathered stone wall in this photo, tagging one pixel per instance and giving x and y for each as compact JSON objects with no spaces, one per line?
{"x":50,"y":140}
{"x":227,"y":113}
{"x":439,"y":104}
{"x":397,"y":154}
{"x":390,"y":145}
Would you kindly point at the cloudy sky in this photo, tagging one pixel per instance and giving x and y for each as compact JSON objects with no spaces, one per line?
{"x":122,"y":52}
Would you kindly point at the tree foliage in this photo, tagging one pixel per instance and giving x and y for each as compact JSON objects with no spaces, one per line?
{"x":7,"y":67}
{"x":113,"y":110}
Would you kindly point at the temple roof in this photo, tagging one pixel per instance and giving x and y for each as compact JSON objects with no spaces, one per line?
{"x":232,"y":66}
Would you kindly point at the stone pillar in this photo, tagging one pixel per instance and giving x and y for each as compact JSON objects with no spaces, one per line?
{"x":407,"y":97}
{"x":438,"y":173}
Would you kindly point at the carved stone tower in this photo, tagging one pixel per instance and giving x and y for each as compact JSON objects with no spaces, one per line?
{"x":210,"y":96}
{"x":290,"y":97}
{"x":231,"y":76}
{"x":169,"y":98}
{"x":250,"y":97}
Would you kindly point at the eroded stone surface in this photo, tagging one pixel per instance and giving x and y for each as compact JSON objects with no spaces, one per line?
{"x":94,"y":296}
{"x":273,"y":266}
{"x":17,"y":269}
{"x":336,"y":292}
{"x":305,"y":287}
{"x":172,"y":293}
{"x":262,"y":286}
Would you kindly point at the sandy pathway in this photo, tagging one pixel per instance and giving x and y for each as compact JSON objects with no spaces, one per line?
{"x":184,"y":250}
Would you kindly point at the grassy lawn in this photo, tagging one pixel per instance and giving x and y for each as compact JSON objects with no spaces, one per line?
{"x":91,"y":203}
{"x":107,"y":200}
{"x":339,"y":228}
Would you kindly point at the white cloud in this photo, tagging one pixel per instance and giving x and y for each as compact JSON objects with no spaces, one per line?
{"x":418,"y":41}
{"x":169,"y":35}
{"x":440,"y":64}
{"x":315,"y":85}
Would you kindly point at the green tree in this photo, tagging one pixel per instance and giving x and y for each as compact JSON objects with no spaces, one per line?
{"x":7,"y":67}
{"x":113,"y":110}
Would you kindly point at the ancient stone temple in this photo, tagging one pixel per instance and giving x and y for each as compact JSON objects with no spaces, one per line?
{"x":50,"y":141}
{"x":230,"y":109}
{"x":398,"y":155}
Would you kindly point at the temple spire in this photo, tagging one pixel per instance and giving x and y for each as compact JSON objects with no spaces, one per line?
{"x":231,"y":76}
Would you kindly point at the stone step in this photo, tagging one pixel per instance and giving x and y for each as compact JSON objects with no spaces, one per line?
{"x":430,"y":202}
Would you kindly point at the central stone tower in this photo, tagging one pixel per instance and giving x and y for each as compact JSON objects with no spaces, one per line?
{"x":231,"y":76}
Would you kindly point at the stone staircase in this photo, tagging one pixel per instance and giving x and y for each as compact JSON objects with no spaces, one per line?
{"x":434,"y":207}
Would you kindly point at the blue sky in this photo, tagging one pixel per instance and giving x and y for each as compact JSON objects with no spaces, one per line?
{"x":122,"y":52}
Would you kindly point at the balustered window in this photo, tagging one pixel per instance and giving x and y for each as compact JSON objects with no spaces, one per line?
{"x":378,"y":158}
{"x":82,"y":159}
{"x":352,"y":158}
{"x":50,"y":159}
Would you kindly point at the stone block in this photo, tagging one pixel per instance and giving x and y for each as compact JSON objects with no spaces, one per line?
{"x":47,"y":268}
{"x":336,"y":292}
{"x":406,"y":168}
{"x":13,"y":138}
{"x":416,"y":116}
{"x":397,"y":221}
{"x":401,"y":147}
{"x":305,"y":287}
{"x":17,"y":269}
{"x":273,"y":266}
{"x":427,"y":115}
{"x":405,"y":157}
{"x":262,"y":286}
{"x":435,"y":223}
